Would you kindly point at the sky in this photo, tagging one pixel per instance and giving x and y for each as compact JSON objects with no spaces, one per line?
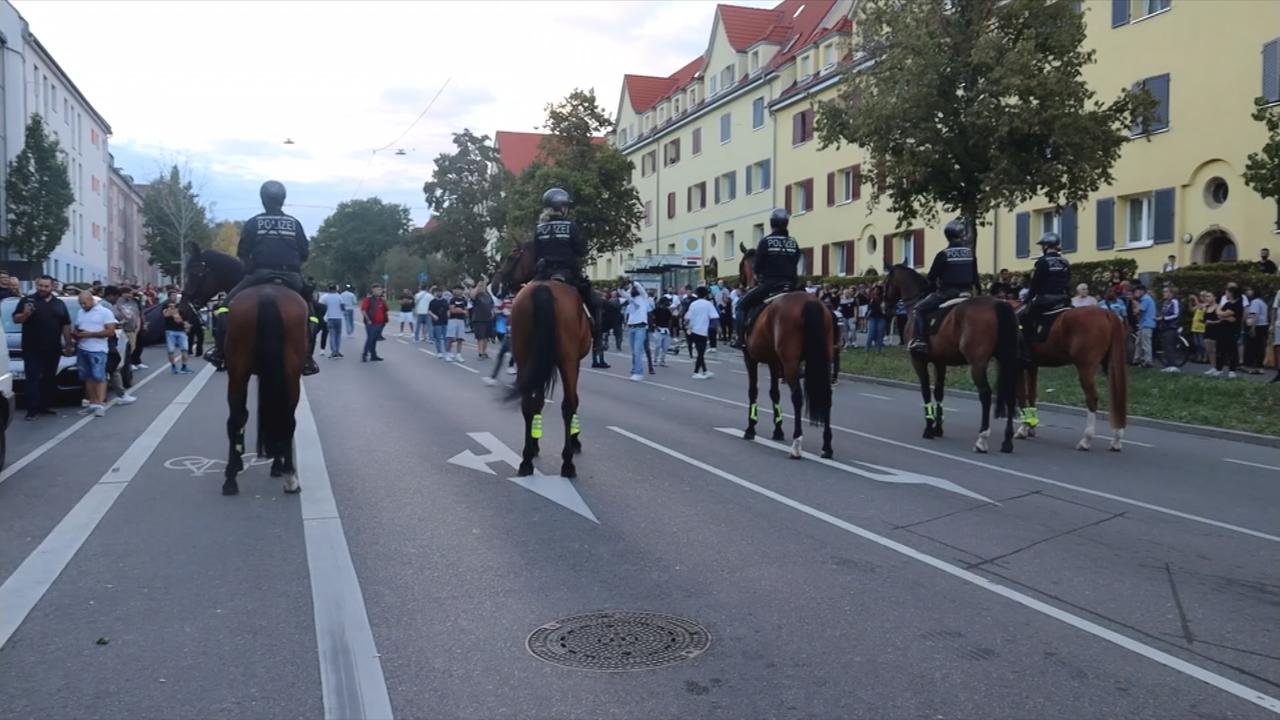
{"x":218,"y":86}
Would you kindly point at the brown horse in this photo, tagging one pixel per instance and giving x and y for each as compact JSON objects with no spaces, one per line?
{"x":550,"y":333}
{"x":1087,"y":337}
{"x":975,"y":331}
{"x":795,"y":336}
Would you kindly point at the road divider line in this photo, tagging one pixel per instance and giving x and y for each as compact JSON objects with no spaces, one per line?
{"x":990,"y":466}
{"x":37,"y":573}
{"x":53,"y":442}
{"x":1238,"y":462}
{"x":1123,"y":641}
{"x":351,"y":678}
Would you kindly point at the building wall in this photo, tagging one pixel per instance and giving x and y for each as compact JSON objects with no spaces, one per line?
{"x":127,"y":260}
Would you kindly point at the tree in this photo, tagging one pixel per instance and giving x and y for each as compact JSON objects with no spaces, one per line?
{"x":354,"y":236}
{"x":598,"y":178}
{"x":171,"y":217}
{"x":976,"y":105}
{"x":1262,"y":169}
{"x":226,"y":236}
{"x":38,"y":192}
{"x":465,"y":195}
{"x":402,"y":265}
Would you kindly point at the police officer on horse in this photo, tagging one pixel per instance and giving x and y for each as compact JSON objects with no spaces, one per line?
{"x":1049,"y":287}
{"x":559,"y":250}
{"x":272,"y":247}
{"x":774,"y":266}
{"x":954,"y":271}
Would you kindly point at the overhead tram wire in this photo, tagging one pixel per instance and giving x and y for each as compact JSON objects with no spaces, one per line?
{"x":365,"y":173}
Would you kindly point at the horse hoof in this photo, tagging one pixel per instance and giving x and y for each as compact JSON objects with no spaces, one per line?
{"x":1083,"y":445}
{"x":928,"y":434}
{"x":1021,"y":433}
{"x":292,"y":491}
{"x":230,"y":489}
{"x":525,"y":469}
{"x":1006,"y":446}
{"x":937,"y":432}
{"x":749,"y":435}
{"x":1114,"y":447}
{"x":778,"y":435}
{"x":827,"y":454}
{"x":568,"y":471}
{"x":979,"y":449}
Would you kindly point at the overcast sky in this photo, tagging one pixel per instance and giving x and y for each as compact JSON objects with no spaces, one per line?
{"x":221,"y":85}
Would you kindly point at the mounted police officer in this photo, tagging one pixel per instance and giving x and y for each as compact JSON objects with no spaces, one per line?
{"x":1049,"y":287}
{"x":559,"y":249}
{"x":954,"y":271}
{"x":774,"y":266}
{"x":272,"y":248}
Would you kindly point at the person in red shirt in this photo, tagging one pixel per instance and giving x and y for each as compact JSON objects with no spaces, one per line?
{"x":374,"y":310}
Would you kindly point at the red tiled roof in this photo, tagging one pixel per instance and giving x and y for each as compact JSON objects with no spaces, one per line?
{"x":645,"y":90}
{"x":744,"y":26}
{"x":518,"y":150}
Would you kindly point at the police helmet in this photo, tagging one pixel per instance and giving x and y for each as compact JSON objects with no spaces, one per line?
{"x":272,"y":194}
{"x":555,"y":198}
{"x":955,"y":231}
{"x":779,"y":219}
{"x":1050,"y":240}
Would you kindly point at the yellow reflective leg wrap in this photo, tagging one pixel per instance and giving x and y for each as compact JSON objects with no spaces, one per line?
{"x":535,"y":431}
{"x":1033,"y":416}
{"x":928,"y":411}
{"x":777,"y":412}
{"x":575,"y":425}
{"x":754,"y":412}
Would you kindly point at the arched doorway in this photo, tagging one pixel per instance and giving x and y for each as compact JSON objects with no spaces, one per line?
{"x":1214,"y":245}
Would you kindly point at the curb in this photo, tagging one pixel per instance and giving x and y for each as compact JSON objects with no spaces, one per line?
{"x":1137,"y":420}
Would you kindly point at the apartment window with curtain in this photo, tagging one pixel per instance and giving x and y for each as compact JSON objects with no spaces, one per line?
{"x":839,"y":255}
{"x":755,"y":61}
{"x":715,"y":86}
{"x":1158,"y":86}
{"x":1140,"y":220}
{"x":1050,"y":222}
{"x":695,"y":142}
{"x":727,"y":187}
{"x":648,"y":213}
{"x":726,"y":128}
{"x":726,"y":77}
{"x":829,"y":59}
{"x":802,"y":127}
{"x":671,"y":153}
{"x":757,"y":113}
{"x":907,"y":250}
{"x":758,"y":179}
{"x":805,"y":67}
{"x":1271,"y":71}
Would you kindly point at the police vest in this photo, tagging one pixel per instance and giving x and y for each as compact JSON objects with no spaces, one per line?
{"x":1052,"y":276}
{"x":960,"y":267}
{"x":779,"y":255}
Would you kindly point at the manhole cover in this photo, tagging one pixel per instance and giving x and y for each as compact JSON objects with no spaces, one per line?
{"x":616,"y":641}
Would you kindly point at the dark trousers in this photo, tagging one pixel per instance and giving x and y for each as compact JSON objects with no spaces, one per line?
{"x":1255,"y":346}
{"x":41,"y":367}
{"x":1228,"y":354}
{"x":195,"y":340}
{"x":135,"y":352}
{"x":1168,"y":345}
{"x":617,"y":337}
{"x":372,"y":334}
{"x":699,"y":343}
{"x":322,"y":329}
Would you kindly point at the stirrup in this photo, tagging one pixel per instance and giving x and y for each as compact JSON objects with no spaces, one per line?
{"x":918,"y":346}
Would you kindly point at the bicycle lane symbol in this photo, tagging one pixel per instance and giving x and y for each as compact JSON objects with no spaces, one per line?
{"x":199,"y":466}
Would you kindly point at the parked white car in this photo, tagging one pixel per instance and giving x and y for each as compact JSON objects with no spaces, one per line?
{"x":7,"y":404}
{"x":68,"y":377}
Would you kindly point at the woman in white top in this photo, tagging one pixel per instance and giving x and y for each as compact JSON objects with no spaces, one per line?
{"x":699,"y":319}
{"x":1082,"y":298}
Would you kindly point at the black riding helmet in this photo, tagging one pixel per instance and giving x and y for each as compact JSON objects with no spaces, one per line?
{"x":1050,"y":240}
{"x":955,"y":231}
{"x":555,"y":198}
{"x":272,"y":194}
{"x":779,"y":219}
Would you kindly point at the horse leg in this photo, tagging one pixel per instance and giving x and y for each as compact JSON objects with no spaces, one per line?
{"x":569,"y":411}
{"x":1030,"y":418}
{"x":237,"y":402}
{"x":1089,"y":384}
{"x":797,"y":407}
{"x":531,"y":408}
{"x":978,"y":372}
{"x":922,"y":373}
{"x":940,"y":371}
{"x":775,"y":394}
{"x":753,"y":391}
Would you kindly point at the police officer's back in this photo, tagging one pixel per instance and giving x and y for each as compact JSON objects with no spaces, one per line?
{"x":775,"y":267}
{"x":1051,"y":277}
{"x":273,"y":241}
{"x":954,"y":271}
{"x":557,"y":241}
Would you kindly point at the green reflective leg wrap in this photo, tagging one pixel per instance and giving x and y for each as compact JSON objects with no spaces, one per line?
{"x":754,"y":412}
{"x":575,"y":425}
{"x":1033,"y":416}
{"x":777,"y":413}
{"x":535,"y":432}
{"x":928,"y":411}
{"x":937,"y":410}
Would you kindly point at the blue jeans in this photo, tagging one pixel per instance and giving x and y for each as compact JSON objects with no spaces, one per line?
{"x":661,"y":344}
{"x":421,"y":327}
{"x":372,"y":334}
{"x":437,"y":336}
{"x":875,"y":332}
{"x":637,"y":336}
{"x":350,"y":316}
{"x":335,"y":335}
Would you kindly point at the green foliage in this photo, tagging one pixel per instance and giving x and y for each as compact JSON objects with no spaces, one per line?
{"x":172,"y":216}
{"x":38,"y":193}
{"x":1097,"y":273}
{"x":351,"y":240}
{"x":975,"y":105}
{"x":606,"y":206}
{"x":402,"y":264}
{"x":465,"y":195}
{"x":1262,"y":170}
{"x":1215,"y":278}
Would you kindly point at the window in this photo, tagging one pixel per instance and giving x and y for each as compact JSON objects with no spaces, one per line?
{"x":1271,"y":71}
{"x":648,"y":213}
{"x":1158,"y":86}
{"x":715,"y":86}
{"x":1139,"y":221}
{"x":675,"y":105}
{"x":758,"y":177}
{"x":726,"y":128}
{"x":848,"y":185}
{"x":44,"y":90}
{"x":907,"y":250}
{"x":662,"y":114}
{"x":93,"y":136}
{"x":671,"y":153}
{"x":829,"y":59}
{"x":730,"y":246}
{"x":66,"y":111}
{"x":839,"y":256}
{"x":1151,"y":7}
{"x":802,"y":127}
{"x":622,"y":137}
{"x":693,"y":96}
{"x":95,"y":185}
{"x":695,"y":143}
{"x":726,"y":77}
{"x":671,"y":205}
{"x":1050,"y":222}
{"x":802,"y":196}
{"x":727,"y":187}
{"x":805,"y":67}
{"x":648,"y":163}
{"x":697,"y":197}
{"x":755,"y":62}
{"x":757,"y":113}
{"x":757,"y":234}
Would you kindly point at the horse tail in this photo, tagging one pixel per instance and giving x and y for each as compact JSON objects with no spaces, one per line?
{"x":538,"y":372}
{"x":275,"y":423}
{"x":817,"y":362}
{"x":1007,"y":359}
{"x":1117,"y":373}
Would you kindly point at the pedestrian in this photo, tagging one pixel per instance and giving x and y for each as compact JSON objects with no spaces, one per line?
{"x":141,"y":300}
{"x":374,"y":313}
{"x":319,"y":330}
{"x":456,"y":330}
{"x":636,"y":313}
{"x":1146,"y":309}
{"x":195,"y":328}
{"x":613,"y":321}
{"x":1275,"y":334}
{"x":1210,"y":306}
{"x":900,"y":321}
{"x":1170,"y":264}
{"x":876,"y":320}
{"x":6,"y":290}
{"x":1256,"y":327}
{"x":175,"y":334}
{"x":662,"y":330}
{"x":1197,"y":304}
{"x":1266,"y":265}
{"x":438,"y":309}
{"x":46,"y":338}
{"x":349,"y":310}
{"x":422,"y":314}
{"x":482,"y":319}
{"x":1082,"y":298}
{"x":335,"y":314}
{"x":130,"y":314}
{"x":1170,"y":321}
{"x":698,"y":317}
{"x":849,"y":310}
{"x":1227,"y":333}
{"x":407,"y":319}
{"x":94,"y":325}
{"x":112,"y":299}
{"x":1116,"y":305}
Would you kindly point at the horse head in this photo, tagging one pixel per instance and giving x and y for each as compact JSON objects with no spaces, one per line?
{"x":516,"y":269}
{"x":902,"y":283}
{"x":746,"y":275}
{"x":209,"y":272}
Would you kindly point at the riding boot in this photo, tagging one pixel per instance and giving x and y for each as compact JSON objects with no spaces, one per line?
{"x":920,"y":334}
{"x":309,"y":366}
{"x":739,"y":341}
{"x":214,"y":355}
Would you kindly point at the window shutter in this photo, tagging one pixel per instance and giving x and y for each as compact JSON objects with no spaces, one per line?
{"x":848,"y":257}
{"x":1022,"y":244}
{"x":917,"y":247}
{"x":857,"y":181}
{"x":733,"y":185}
{"x":788,"y":199}
{"x":717,"y":190}
{"x":702,"y":186}
{"x":826,"y":259}
{"x":887,"y":244}
{"x":831,"y":190}
{"x":766,"y":171}
{"x":808,"y":194}
{"x":797,"y":128}
{"x":1159,"y":88}
{"x":808,"y":261}
{"x":1164,"y":216}
{"x":1069,"y":229}
{"x":1119,"y":13}
{"x":689,"y":203}
{"x":750,"y":187}
{"x":1271,"y":71}
{"x":671,"y":205}
{"x":1106,"y":227}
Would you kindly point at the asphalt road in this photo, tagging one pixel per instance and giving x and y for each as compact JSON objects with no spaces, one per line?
{"x":907,"y":578}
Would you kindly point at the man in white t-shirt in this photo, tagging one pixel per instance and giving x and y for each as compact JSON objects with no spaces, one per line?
{"x":335,"y":313}
{"x":349,"y":310}
{"x":699,"y":316}
{"x":94,"y":325}
{"x":422,"y":314}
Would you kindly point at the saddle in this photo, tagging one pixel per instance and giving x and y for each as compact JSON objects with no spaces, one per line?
{"x":1044,"y":322}
{"x":937,"y":316}
{"x":782,"y":290}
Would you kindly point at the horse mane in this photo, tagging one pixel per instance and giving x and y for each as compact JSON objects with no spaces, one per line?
{"x":222,"y":263}
{"x":916,"y":278}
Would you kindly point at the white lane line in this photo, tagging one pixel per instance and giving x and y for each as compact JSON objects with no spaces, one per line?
{"x":1127,"y":441}
{"x":997,"y":468}
{"x":1123,"y":641}
{"x":873,"y":395}
{"x":1251,"y":464}
{"x":402,"y":342}
{"x":33,"y":578}
{"x":53,"y":442}
{"x":351,"y":678}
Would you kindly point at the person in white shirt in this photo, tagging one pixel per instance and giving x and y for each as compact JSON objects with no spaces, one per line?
{"x":1082,"y":298}
{"x":422,"y":314}
{"x":1170,"y":265}
{"x":335,"y":313}
{"x":699,"y":316}
{"x":1255,"y":338}
{"x":635,"y":312}
{"x":349,"y":310}
{"x":94,"y":325}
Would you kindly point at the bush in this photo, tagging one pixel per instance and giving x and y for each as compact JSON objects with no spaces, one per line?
{"x":1097,"y":273}
{"x":1215,"y":277}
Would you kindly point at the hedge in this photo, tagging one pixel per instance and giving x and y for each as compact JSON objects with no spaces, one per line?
{"x":1215,"y":277}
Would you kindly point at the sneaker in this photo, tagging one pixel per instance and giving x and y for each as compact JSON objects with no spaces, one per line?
{"x":1231,"y":375}
{"x":699,"y":376}
{"x":98,"y":410}
{"x":1171,"y":369}
{"x":458,"y":358}
{"x":173,"y":369}
{"x":84,"y":403}
{"x":511,"y":371}
{"x":711,"y":350}
{"x":184,"y":370}
{"x":708,"y":375}
{"x":126,"y":399}
{"x":488,"y":381}
{"x":1213,"y":372}
{"x":636,"y":377}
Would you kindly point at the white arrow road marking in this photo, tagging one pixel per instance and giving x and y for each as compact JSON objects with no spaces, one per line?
{"x":557,"y":489}
{"x":882,"y":474}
